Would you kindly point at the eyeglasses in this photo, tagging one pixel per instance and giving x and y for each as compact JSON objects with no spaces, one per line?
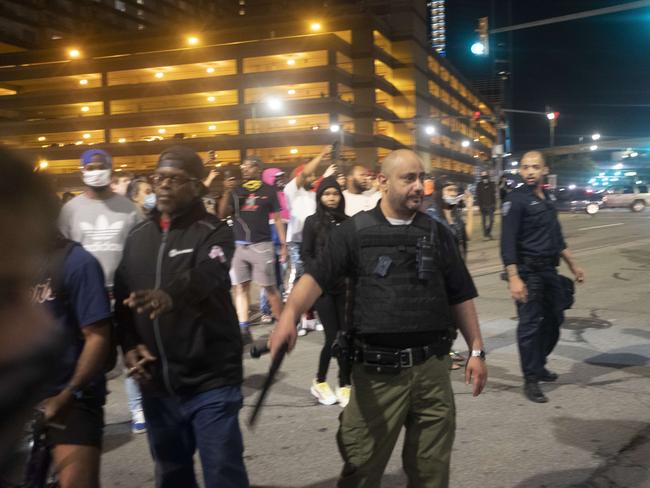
{"x":175,"y":180}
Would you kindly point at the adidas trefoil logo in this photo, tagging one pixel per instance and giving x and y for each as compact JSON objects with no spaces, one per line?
{"x":98,"y":237}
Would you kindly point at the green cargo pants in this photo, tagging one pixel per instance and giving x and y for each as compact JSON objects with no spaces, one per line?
{"x":419,"y":398}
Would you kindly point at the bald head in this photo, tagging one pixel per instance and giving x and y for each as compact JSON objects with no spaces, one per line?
{"x":402,"y":183}
{"x":397,"y":159}
{"x":533,"y":157}
{"x":532,"y":168}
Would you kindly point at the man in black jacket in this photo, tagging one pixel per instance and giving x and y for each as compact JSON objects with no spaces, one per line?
{"x":179,"y":329}
{"x":486,"y":194}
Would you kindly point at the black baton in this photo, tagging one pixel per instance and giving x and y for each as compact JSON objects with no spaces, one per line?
{"x":275,"y":366}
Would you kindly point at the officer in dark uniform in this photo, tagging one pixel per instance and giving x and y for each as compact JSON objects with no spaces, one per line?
{"x":531,"y":247}
{"x":411,"y":291}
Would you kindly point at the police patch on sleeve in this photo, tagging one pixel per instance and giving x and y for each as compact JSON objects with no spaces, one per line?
{"x":217,"y":253}
{"x":506,"y":208}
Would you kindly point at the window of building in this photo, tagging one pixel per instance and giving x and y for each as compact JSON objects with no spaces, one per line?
{"x":345,"y":93}
{"x":287,"y":123}
{"x":120,"y":5}
{"x":299,"y":91}
{"x":286,"y":61}
{"x":383,"y":70}
{"x":345,"y":35}
{"x":175,"y":102}
{"x":344,"y":62}
{"x":189,"y":131}
{"x":168,"y":73}
{"x":382,"y":42}
{"x":384,"y":99}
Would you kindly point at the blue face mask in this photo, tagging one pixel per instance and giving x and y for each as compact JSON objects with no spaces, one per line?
{"x":150,"y":201}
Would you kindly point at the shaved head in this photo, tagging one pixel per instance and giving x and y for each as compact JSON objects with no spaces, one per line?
{"x":532,"y":168}
{"x":398,"y":158}
{"x":533,"y":156}
{"x":402,"y":183}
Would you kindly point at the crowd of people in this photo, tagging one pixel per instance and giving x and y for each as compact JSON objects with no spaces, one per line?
{"x":376,"y":261}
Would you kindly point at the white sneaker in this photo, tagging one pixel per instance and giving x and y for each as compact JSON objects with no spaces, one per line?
{"x":302,"y":331}
{"x":138,"y":423}
{"x":319,"y":326}
{"x":323,"y":393}
{"x":309,"y":324}
{"x":343,"y":395}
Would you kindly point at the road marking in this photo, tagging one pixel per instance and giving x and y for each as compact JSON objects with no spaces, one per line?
{"x":602,"y":226}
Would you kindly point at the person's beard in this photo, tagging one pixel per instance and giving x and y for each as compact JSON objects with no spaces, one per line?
{"x":358,"y":186}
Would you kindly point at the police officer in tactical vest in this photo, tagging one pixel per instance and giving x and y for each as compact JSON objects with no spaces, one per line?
{"x":411,"y":291}
{"x":531,"y":247}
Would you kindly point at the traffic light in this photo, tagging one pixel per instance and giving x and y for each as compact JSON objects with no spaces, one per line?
{"x":482,"y":46}
{"x":476,"y":116}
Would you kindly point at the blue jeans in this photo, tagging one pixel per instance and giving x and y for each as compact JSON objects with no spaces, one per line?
{"x":297,"y":268}
{"x":133,"y":395}
{"x":176,"y":426}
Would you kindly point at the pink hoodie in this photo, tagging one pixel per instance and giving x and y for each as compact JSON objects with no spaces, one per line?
{"x":268,"y":177}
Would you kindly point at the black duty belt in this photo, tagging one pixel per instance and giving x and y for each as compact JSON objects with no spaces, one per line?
{"x":391,"y":361}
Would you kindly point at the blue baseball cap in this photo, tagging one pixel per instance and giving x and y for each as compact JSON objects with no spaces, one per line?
{"x":86,"y":157}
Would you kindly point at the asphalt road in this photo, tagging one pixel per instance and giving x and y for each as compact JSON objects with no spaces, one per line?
{"x":594,"y":432}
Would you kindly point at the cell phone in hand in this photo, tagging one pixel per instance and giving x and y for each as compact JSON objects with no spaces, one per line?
{"x":336,"y":150}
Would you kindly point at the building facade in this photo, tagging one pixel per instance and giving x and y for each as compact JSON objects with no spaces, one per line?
{"x":281,"y":88}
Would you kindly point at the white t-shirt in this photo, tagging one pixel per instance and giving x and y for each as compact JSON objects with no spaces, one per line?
{"x":101,"y":227}
{"x":399,"y":221}
{"x":355,"y":203}
{"x":302,"y":204}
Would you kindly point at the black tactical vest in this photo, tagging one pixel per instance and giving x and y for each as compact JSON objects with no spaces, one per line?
{"x":388,"y":296}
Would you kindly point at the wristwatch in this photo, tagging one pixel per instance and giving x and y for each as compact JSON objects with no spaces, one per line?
{"x":478,"y":353}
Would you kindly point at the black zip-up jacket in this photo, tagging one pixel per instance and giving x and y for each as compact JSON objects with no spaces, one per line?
{"x":197,"y":344}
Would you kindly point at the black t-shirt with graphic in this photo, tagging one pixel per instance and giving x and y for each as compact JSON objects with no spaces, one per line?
{"x":252,"y":208}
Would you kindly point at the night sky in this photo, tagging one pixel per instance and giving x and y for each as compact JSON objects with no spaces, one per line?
{"x":595,"y":71}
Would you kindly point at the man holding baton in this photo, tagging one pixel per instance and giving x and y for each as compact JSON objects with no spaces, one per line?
{"x":412,"y":290}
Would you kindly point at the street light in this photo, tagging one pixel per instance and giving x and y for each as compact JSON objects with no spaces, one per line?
{"x":74,"y":53}
{"x":634,"y":154}
{"x":465,"y":143}
{"x":274,"y":103}
{"x":192,"y":41}
{"x":315,"y":26}
{"x":595,"y":137}
{"x":478,"y":49}
{"x":430,"y":130}
{"x":335,"y":128}
{"x":593,"y":147}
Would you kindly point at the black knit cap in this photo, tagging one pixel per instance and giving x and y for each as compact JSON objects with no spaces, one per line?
{"x":184,"y":158}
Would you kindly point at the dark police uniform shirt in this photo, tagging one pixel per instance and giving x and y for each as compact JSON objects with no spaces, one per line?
{"x":341,"y":258}
{"x":530,"y":227}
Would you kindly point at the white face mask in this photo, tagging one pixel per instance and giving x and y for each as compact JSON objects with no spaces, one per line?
{"x":97,"y":178}
{"x":452,"y":201}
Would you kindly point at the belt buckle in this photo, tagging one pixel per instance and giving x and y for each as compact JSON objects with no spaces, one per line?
{"x":406,"y":362}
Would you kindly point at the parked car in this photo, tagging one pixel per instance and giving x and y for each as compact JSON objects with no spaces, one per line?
{"x":634,"y":197}
{"x":570,"y":199}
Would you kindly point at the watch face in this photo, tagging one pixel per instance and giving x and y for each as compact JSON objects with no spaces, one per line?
{"x":478,"y":354}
